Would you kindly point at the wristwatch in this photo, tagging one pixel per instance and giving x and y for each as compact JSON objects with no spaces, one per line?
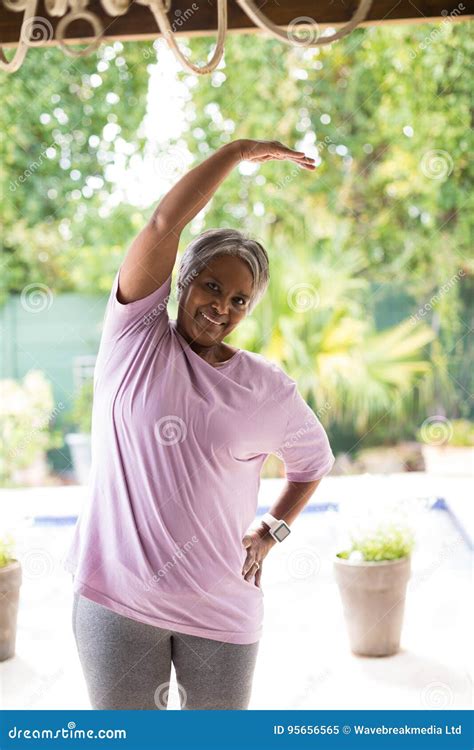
{"x":278,"y":529}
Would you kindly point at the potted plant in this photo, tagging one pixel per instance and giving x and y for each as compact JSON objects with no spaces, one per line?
{"x":447,"y":445}
{"x":372,"y":575}
{"x":79,"y":443}
{"x":10,"y":582}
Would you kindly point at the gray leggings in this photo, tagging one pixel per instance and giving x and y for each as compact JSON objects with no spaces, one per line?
{"x":127,"y":664}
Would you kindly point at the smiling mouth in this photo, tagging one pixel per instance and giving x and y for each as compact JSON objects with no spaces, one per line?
{"x":204,"y":317}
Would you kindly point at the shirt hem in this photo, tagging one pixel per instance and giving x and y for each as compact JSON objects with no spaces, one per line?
{"x":308,"y":476}
{"x":216,"y":635}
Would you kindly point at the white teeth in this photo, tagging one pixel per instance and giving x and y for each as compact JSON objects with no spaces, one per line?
{"x":211,"y":321}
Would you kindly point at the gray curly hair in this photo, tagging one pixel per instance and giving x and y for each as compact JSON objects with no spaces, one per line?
{"x":214,"y":242}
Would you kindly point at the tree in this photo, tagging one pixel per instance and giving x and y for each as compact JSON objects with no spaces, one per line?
{"x":385,"y":111}
{"x":63,"y":131}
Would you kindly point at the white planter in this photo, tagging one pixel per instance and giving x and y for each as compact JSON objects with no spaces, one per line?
{"x":373,"y":599}
{"x":79,"y":444}
{"x":448,"y":460}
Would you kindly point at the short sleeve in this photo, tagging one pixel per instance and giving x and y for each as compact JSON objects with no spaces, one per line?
{"x":305,"y":449}
{"x":139,"y":316}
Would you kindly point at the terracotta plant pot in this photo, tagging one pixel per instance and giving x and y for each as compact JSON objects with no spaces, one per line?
{"x":10,"y":582}
{"x":373,"y":599}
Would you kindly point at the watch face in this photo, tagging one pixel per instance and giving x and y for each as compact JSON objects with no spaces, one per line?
{"x":281,"y":532}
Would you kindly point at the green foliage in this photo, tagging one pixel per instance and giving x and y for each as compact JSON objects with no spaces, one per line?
{"x":27,"y":413}
{"x":455,"y":432}
{"x":373,"y":105}
{"x":65,"y":123}
{"x":386,"y":111}
{"x":6,"y":550}
{"x":387,"y":541}
{"x":463,"y":433}
{"x":327,"y":340}
{"x":81,"y":413}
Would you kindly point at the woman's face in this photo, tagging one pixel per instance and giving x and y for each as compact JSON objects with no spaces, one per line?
{"x":221,"y":291}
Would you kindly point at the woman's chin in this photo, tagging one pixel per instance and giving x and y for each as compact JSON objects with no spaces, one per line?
{"x":206,"y":327}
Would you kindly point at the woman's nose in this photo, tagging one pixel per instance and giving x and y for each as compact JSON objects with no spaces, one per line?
{"x":220,"y":308}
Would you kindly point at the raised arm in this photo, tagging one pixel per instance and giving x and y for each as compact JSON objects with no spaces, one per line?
{"x":152,"y":255}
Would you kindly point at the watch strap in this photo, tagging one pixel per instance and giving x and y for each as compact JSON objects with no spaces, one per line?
{"x":270,"y":520}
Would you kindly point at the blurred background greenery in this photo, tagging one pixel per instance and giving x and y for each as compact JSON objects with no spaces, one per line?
{"x":370,"y":302}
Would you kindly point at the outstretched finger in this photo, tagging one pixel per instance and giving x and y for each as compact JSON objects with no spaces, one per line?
{"x":288,"y":150}
{"x":307,"y":162}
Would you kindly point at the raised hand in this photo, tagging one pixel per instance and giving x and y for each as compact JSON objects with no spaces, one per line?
{"x":261,"y":151}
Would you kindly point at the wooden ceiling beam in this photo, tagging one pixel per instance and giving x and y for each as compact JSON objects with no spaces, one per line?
{"x":138,"y":23}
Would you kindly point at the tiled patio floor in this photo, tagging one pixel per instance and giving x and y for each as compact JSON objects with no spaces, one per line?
{"x":303,"y":615}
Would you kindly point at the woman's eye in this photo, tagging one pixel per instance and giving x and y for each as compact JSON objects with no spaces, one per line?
{"x":240,"y":299}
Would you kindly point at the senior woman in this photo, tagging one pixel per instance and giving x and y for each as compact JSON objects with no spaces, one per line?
{"x":166,"y":568}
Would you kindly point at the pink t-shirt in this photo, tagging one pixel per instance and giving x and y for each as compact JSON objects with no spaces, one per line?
{"x":177,"y":450}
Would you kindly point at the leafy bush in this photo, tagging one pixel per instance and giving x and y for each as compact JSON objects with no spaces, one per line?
{"x":81,"y":412}
{"x":27,"y":412}
{"x":6,"y":550}
{"x":458,"y":433}
{"x":463,"y":433}
{"x":389,"y":541}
